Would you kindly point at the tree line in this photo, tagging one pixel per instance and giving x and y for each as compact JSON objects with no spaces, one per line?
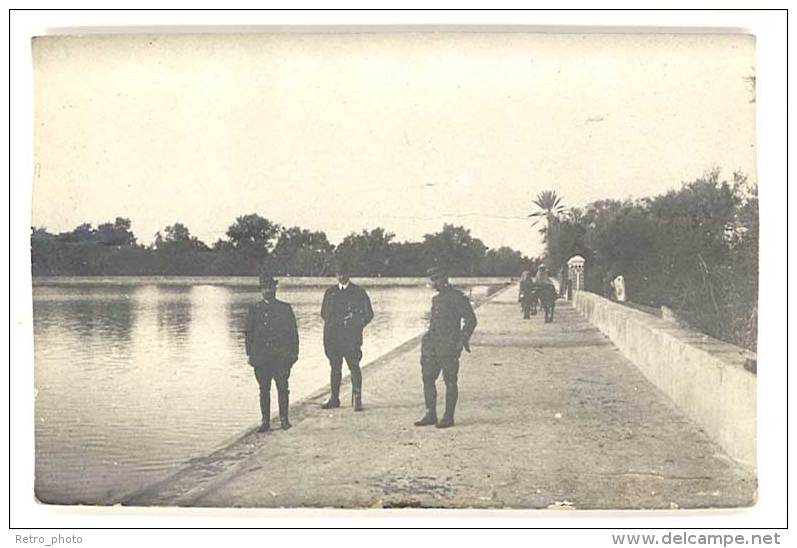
{"x":694,"y":250}
{"x":253,"y":242}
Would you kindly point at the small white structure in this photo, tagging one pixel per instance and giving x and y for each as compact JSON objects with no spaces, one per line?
{"x":619,"y":288}
{"x":575,"y":270}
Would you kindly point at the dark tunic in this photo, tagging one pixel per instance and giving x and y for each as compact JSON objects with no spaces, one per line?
{"x":528,"y":291}
{"x":546,"y":292}
{"x":272,"y":338}
{"x":451,"y":322}
{"x":345,"y":312}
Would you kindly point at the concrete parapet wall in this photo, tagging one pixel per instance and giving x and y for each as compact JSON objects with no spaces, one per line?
{"x":705,"y":377}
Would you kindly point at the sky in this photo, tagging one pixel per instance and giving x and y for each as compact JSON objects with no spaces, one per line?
{"x":407,"y":131}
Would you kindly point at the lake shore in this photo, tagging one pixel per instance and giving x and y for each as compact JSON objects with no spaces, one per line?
{"x":146,"y":352}
{"x":239,"y":446}
{"x":251,"y":281}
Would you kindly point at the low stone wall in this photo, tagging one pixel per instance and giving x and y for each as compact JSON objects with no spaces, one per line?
{"x":705,"y":377}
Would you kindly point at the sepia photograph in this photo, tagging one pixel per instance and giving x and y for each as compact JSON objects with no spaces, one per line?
{"x":363,"y":269}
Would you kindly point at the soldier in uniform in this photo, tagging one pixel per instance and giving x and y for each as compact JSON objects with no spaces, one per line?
{"x":272,"y":345}
{"x":527,"y":295}
{"x":451,"y":324}
{"x":346,"y":310}
{"x":546,"y":292}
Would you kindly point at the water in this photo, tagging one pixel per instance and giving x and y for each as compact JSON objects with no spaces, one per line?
{"x":133,"y":380}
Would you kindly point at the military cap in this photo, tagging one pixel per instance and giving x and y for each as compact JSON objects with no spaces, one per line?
{"x":267,"y":280}
{"x":342,"y":266}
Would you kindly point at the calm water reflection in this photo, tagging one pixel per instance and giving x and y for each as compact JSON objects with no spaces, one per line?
{"x":131,"y":381}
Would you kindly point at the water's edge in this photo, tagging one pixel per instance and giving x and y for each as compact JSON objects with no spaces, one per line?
{"x":198,"y":476}
{"x":250,"y":281}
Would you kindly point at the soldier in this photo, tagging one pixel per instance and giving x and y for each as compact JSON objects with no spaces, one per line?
{"x":546,"y":292}
{"x":527,"y":295}
{"x":346,"y":310}
{"x":451,"y":324}
{"x":272,"y":345}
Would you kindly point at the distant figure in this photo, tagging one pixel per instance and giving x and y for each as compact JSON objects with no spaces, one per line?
{"x":618,"y":284}
{"x":546,"y":292}
{"x":543,"y":277}
{"x":451,"y":324}
{"x":527,"y":295}
{"x":272,"y":346}
{"x":346,"y":311}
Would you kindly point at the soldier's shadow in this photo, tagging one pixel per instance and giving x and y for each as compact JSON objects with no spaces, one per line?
{"x":386,"y":405}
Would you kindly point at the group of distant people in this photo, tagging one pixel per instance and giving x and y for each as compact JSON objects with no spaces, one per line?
{"x":272,"y":343}
{"x":537,"y":288}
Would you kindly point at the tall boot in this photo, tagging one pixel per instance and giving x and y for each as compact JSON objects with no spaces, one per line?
{"x":430,"y":400}
{"x":357,"y":388}
{"x":265,"y":409}
{"x":283,"y":401}
{"x":334,"y":384}
{"x":452,"y":393}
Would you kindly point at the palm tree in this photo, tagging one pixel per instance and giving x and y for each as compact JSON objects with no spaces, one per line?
{"x":550,"y":207}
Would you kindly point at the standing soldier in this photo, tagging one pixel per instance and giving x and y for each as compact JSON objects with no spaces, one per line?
{"x":346,"y":310}
{"x":451,"y":324}
{"x":527,"y":295}
{"x":546,"y":292}
{"x":272,"y":345}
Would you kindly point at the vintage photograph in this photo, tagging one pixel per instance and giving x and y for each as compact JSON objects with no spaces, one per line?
{"x":395,"y":269}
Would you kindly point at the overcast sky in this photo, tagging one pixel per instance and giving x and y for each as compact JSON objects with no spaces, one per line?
{"x":405,"y":131}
